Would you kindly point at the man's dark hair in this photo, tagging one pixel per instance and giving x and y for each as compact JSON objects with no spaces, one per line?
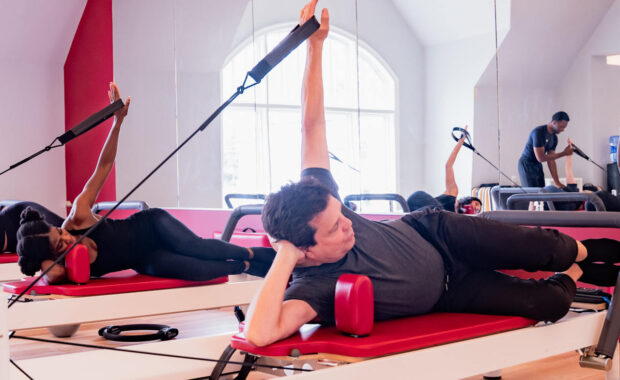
{"x":288,"y":212}
{"x":560,"y":116}
{"x":33,"y":244}
{"x":465,"y":201}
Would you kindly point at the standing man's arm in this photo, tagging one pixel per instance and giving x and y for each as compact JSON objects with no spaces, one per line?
{"x":314,"y":152}
{"x":541,"y":156}
{"x":568,"y":167}
{"x":553,"y":168}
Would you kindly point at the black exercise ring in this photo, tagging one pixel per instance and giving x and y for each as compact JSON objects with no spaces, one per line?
{"x":467,"y":143}
{"x":114,"y":332}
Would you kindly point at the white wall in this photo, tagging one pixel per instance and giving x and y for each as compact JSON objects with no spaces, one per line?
{"x":591,"y":90}
{"x":383,"y":28}
{"x":168,"y":57}
{"x":37,"y":36}
{"x":545,"y":66}
{"x":453,"y":69}
{"x":33,"y":115}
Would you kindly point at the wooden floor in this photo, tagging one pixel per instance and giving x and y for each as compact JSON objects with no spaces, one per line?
{"x":208,"y":322}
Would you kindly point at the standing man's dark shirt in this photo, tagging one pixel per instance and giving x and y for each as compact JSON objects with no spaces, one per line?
{"x":530,"y":169}
{"x":539,"y":137}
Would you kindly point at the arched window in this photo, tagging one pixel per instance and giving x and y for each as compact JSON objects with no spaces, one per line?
{"x":261,"y":133}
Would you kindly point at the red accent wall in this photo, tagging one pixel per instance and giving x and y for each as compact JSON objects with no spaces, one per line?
{"x":88,"y":71}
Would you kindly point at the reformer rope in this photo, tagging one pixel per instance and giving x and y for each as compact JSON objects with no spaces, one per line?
{"x":20,"y":369}
{"x":469,"y":145}
{"x":46,"y":149}
{"x":499,"y":145}
{"x":84,"y":345}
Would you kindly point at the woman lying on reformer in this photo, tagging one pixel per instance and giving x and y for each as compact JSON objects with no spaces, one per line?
{"x":150,"y":242}
{"x":447,"y":201}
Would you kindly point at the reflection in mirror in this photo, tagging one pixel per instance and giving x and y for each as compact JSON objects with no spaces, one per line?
{"x":436,"y":52}
{"x":169,"y":56}
{"x":262,"y":136}
{"x":392,"y":95}
{"x":551,"y":64}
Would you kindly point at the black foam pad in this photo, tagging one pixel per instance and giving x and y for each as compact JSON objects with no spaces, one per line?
{"x":91,"y":122}
{"x":298,"y":35}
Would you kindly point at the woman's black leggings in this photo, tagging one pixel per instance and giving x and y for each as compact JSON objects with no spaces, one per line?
{"x":181,"y":254}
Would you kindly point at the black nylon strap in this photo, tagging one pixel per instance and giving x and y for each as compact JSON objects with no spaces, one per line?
{"x":153,"y":353}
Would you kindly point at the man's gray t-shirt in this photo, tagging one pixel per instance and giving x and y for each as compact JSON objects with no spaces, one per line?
{"x":406,"y":271}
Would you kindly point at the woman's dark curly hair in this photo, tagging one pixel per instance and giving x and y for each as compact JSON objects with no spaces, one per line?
{"x":465,"y":201}
{"x":33,"y":245}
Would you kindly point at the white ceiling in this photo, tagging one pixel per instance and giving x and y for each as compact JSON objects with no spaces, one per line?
{"x":544,"y":38}
{"x":440,"y":21}
{"x":37,"y":31}
{"x":544,"y":35}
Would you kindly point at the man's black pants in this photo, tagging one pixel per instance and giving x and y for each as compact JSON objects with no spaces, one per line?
{"x":473,"y":249}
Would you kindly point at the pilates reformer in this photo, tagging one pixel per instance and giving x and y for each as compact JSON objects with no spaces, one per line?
{"x":162,"y":367}
{"x":9,"y":270}
{"x":254,"y":198}
{"x":500,"y":194}
{"x":518,"y":201}
{"x":493,"y":342}
{"x":390,"y":197}
{"x":138,"y":294}
{"x":257,"y":73}
{"x":473,"y":344}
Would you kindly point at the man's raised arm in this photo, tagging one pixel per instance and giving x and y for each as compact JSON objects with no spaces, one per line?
{"x":314,"y":153}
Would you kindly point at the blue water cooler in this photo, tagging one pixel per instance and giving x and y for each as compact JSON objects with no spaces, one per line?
{"x":613,"y":174}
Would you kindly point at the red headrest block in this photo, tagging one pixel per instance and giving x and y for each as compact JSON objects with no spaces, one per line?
{"x":354,"y":304}
{"x":77,"y":264}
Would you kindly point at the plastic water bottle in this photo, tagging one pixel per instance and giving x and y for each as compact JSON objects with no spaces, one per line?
{"x":613,"y":148}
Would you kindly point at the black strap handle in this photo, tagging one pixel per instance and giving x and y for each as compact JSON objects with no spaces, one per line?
{"x":467,"y":143}
{"x":298,"y":35}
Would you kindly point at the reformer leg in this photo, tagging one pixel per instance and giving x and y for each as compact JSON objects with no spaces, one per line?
{"x":614,"y":372}
{"x":493,"y":375}
{"x":602,"y":357}
{"x":224,"y":358}
{"x":608,"y":340}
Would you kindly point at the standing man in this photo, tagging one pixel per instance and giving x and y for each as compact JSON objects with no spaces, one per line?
{"x":540,"y":147}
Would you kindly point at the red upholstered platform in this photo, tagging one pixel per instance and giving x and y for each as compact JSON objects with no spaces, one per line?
{"x":117,"y":282}
{"x":247,"y":239}
{"x":8,"y":258}
{"x":388,"y":337}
